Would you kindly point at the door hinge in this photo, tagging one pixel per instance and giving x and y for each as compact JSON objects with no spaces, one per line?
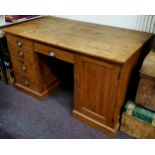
{"x":119,"y":75}
{"x":112,"y":120}
{"x":77,"y":83}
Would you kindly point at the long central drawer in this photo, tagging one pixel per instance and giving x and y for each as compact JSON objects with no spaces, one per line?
{"x":54,"y":52}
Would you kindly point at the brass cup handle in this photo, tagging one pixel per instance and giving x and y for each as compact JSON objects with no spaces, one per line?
{"x":19,"y":43}
{"x":20,"y":54}
{"x":24,"y":68}
{"x":26,"y":82}
{"x":52,"y":54}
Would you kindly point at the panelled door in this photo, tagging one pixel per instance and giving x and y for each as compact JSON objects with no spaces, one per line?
{"x":96,"y":84}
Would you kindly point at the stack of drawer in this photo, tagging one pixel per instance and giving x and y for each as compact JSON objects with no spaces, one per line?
{"x":33,"y":73}
{"x":24,"y":62}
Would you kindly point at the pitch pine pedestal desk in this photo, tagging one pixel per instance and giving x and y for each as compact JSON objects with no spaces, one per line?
{"x":103,"y":58}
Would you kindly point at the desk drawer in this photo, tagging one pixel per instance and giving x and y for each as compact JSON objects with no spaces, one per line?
{"x":18,"y":41}
{"x":25,"y":68}
{"x":54,"y":52}
{"x":22,"y":54}
{"x":26,"y":81}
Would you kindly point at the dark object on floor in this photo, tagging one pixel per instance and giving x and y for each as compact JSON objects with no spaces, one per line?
{"x":6,"y":72}
{"x":22,"y":116}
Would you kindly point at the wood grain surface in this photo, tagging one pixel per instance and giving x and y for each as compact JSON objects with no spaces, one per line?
{"x":115,"y":44}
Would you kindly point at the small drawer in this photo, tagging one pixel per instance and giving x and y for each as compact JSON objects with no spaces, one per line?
{"x":25,"y":68}
{"x":19,"y":42}
{"x":24,"y":54}
{"x":54,"y":52}
{"x":26,"y":81}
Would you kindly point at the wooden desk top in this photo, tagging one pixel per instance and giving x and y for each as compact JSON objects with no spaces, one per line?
{"x":114,"y":44}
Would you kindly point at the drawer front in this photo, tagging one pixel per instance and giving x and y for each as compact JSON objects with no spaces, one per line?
{"x":25,"y":68}
{"x":22,"y":54}
{"x":54,"y":52}
{"x":19,"y":42}
{"x":26,"y":81}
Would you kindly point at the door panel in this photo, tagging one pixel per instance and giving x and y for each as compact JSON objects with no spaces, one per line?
{"x":96,"y":91}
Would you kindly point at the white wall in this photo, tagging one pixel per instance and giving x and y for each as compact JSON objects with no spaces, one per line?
{"x":144,"y":23}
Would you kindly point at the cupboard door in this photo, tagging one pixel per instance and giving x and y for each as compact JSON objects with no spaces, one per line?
{"x":96,"y":88}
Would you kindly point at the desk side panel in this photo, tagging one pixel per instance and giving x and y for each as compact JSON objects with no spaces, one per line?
{"x":129,"y":79}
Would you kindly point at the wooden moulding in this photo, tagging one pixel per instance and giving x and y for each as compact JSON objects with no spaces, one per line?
{"x":40,"y":96}
{"x":136,"y":128}
{"x":95,"y":124}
